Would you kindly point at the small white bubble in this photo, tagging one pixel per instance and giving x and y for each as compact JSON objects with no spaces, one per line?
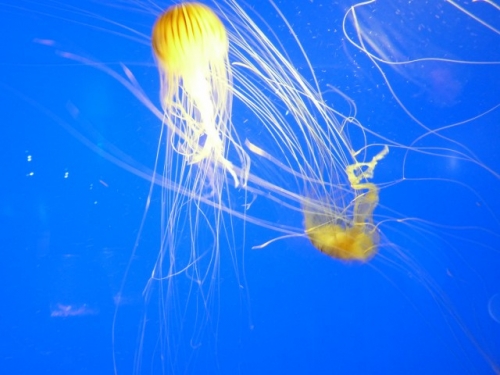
{"x":29,"y":158}
{"x":66,"y":174}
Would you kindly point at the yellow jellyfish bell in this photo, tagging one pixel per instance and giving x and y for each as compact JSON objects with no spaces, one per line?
{"x":189,"y":37}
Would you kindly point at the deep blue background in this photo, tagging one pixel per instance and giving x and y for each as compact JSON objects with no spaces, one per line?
{"x":69,"y":216}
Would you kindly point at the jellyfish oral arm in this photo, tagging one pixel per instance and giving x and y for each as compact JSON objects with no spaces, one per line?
{"x":365,"y":204}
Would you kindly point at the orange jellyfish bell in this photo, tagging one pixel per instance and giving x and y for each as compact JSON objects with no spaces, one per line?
{"x":356,"y":243}
{"x":189,"y":36}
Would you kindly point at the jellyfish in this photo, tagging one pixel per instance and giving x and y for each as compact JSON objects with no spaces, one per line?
{"x":191,"y":46}
{"x":356,"y":239}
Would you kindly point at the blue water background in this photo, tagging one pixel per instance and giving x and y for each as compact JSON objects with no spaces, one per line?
{"x":70,"y":216}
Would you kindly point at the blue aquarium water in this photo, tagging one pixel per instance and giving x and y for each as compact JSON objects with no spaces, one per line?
{"x":122,"y":254}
